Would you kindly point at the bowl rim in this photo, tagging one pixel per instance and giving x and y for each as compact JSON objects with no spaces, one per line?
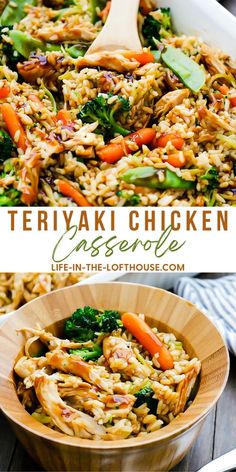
{"x":165,"y":433}
{"x":95,"y":278}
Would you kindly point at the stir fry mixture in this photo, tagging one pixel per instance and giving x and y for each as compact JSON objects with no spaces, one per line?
{"x":150,"y":127}
{"x":16,"y":289}
{"x":110,"y":377}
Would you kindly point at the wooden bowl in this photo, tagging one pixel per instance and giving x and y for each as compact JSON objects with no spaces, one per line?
{"x":156,"y":451}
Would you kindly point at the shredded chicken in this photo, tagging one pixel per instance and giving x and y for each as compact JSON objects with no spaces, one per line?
{"x":112,"y":60}
{"x":66,"y":418}
{"x":119,"y":406}
{"x":185,"y":387}
{"x":27,"y":396}
{"x":52,"y":342}
{"x":214,"y":121}
{"x":84,"y":141}
{"x":100,"y":405}
{"x":170,"y":100}
{"x":35,"y":69}
{"x":97,"y":375}
{"x":69,"y":384}
{"x":47,"y":67}
{"x":25,"y":367}
{"x":119,"y":394}
{"x":212,"y":60}
{"x":71,"y":29}
{"x":121,"y":358}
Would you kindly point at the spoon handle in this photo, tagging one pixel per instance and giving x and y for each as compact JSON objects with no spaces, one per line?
{"x":120,"y":30}
{"x":224,"y":463}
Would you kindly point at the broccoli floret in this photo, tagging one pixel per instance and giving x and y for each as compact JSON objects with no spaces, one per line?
{"x":234,"y":168}
{"x":80,"y":334}
{"x":7,"y":49}
{"x":210,"y":196}
{"x":82,"y":7}
{"x":109,"y":321}
{"x":145,"y":395}
{"x":155,"y":29}
{"x":82,"y":324}
{"x":151,"y":30}
{"x":212,"y":176}
{"x":105,"y":111}
{"x":131,"y":200}
{"x":134,"y":200}
{"x":166,"y":21}
{"x":87,"y":323}
{"x":88,"y":354}
{"x":6,"y":146}
{"x":9,"y":197}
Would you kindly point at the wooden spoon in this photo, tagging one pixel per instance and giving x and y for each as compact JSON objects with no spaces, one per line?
{"x":120,"y":30}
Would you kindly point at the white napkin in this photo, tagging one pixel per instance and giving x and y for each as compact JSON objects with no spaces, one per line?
{"x":217,"y":299}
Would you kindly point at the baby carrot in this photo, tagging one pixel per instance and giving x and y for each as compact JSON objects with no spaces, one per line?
{"x":113,"y":152}
{"x":4,"y":91}
{"x":145,"y":7}
{"x":30,"y":179}
{"x":233,"y":101}
{"x":143,"y":57}
{"x":64,"y":116}
{"x":176,"y":140}
{"x":142,"y":136}
{"x":14,"y":126}
{"x":177,"y":160}
{"x":149,"y":340}
{"x":69,"y":191}
{"x":105,"y":12}
{"x":223,"y":89}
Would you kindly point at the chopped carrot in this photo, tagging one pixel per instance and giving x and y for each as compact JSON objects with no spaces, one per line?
{"x":143,"y":57}
{"x":30,"y":189}
{"x":177,"y":160}
{"x":14,"y":126}
{"x":64,"y":116}
{"x":233,"y":101}
{"x":69,"y":191}
{"x":200,"y":201}
{"x":105,"y":12}
{"x":113,"y":152}
{"x":176,"y":140}
{"x":141,"y":136}
{"x":30,"y":179}
{"x":4,"y":91}
{"x":145,"y":8}
{"x":223,"y":89}
{"x":149,"y":340}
